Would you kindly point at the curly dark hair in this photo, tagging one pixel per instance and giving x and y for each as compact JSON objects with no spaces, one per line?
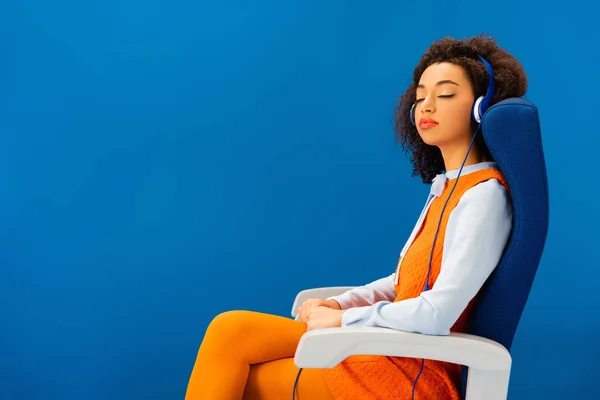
{"x":510,"y":80}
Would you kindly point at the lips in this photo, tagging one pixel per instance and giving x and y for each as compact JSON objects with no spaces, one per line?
{"x":426,"y":123}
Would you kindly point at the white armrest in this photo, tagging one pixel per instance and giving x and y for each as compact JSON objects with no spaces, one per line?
{"x":489,"y":362}
{"x":318,"y":293}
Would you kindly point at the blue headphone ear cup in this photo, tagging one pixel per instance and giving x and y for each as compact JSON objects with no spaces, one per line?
{"x":412,"y":116}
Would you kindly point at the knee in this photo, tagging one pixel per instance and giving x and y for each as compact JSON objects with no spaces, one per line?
{"x":229,"y":325}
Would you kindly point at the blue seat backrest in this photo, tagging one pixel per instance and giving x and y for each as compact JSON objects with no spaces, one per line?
{"x":511,"y":129}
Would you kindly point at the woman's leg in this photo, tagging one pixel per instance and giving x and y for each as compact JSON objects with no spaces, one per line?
{"x":233,"y":342}
{"x":274,"y":380}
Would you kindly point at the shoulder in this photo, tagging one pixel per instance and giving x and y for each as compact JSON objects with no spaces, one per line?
{"x":483,"y":215}
{"x":491,"y":190}
{"x":485,"y":198}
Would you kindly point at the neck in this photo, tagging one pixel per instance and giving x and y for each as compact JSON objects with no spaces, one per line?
{"x":455,"y":155}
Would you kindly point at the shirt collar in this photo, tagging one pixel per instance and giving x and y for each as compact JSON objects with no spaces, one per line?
{"x":439,"y":182}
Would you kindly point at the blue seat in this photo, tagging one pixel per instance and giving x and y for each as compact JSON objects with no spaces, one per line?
{"x":511,"y":129}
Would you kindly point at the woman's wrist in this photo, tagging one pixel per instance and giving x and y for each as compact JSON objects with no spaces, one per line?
{"x":335,"y":304}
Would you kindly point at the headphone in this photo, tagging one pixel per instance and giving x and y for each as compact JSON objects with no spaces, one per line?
{"x":479,"y":108}
{"x":481,"y":104}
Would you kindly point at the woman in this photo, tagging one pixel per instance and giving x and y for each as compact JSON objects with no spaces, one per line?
{"x":455,"y":245}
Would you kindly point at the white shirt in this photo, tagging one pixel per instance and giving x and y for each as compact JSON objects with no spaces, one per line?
{"x":477,"y":231}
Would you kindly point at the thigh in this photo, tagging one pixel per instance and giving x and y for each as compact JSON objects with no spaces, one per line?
{"x":274,"y":380}
{"x":253,"y":337}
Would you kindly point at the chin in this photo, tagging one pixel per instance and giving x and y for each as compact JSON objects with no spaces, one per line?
{"x":429,"y":138}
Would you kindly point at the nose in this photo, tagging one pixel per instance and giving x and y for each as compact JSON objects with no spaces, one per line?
{"x":427,"y":106}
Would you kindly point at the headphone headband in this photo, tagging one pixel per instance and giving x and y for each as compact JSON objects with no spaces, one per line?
{"x":483,"y":103}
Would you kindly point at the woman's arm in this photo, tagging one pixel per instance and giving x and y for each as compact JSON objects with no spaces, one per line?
{"x":476,"y":235}
{"x":380,"y":290}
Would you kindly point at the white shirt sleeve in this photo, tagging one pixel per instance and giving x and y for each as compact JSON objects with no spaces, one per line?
{"x":476,"y":235}
{"x":380,"y":290}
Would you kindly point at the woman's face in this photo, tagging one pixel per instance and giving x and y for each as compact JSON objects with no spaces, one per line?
{"x":444,"y":101}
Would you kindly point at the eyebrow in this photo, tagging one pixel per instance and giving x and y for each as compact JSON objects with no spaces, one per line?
{"x":440,"y":83}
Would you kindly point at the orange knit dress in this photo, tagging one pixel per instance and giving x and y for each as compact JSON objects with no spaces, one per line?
{"x":392,"y":378}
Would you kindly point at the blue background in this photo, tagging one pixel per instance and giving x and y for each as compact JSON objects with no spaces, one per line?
{"x":164,"y":161}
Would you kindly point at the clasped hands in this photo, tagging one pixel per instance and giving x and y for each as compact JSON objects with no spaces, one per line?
{"x":319,"y":313}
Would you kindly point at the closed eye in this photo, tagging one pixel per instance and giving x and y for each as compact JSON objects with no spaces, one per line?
{"x":444,"y":96}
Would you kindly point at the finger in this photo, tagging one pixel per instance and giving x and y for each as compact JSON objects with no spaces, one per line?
{"x":306,"y":311}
